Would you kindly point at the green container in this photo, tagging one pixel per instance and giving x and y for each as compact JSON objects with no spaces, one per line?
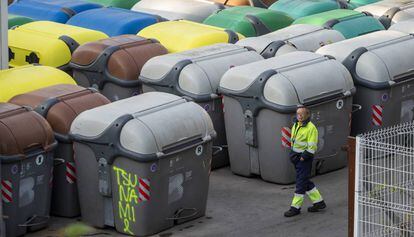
{"x":126,"y":4}
{"x":15,"y":20}
{"x":300,"y":8}
{"x":249,"y":21}
{"x":350,"y":23}
{"x":352,"y":4}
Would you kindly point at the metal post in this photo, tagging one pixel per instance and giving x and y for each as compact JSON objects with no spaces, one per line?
{"x":4,"y":25}
{"x":356,"y":206}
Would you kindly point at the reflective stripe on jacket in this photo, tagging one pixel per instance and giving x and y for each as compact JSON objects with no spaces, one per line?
{"x":304,"y":139}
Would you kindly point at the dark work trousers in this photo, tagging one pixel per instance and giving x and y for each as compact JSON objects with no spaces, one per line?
{"x":303,"y":173}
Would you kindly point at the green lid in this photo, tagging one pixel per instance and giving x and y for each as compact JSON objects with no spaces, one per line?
{"x":15,"y":20}
{"x":126,"y":4}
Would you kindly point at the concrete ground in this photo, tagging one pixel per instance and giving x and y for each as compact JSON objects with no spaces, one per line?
{"x":239,"y":206}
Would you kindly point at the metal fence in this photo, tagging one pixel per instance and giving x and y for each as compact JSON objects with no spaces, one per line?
{"x":384,"y":182}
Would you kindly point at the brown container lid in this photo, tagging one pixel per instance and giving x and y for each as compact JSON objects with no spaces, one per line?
{"x":23,"y":130}
{"x":126,"y":62}
{"x":61,"y":104}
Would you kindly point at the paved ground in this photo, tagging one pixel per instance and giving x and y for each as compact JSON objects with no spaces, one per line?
{"x":251,"y":207}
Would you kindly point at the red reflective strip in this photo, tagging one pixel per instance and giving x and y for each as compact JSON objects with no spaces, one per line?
{"x":6,"y":186}
{"x":141,"y":182}
{"x":6,"y":196}
{"x":146,"y":196}
{"x":69,"y":175}
{"x":71,"y":167}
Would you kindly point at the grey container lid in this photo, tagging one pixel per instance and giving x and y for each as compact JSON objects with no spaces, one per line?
{"x":379,"y":57}
{"x":160,"y":121}
{"x":202,"y":70}
{"x":406,"y":26}
{"x":194,"y":10}
{"x":302,"y":77}
{"x":303,"y":37}
{"x":378,"y":9}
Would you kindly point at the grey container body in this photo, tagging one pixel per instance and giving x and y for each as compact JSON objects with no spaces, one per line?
{"x":179,"y":181}
{"x":198,"y":76}
{"x":65,"y":201}
{"x":259,"y":118}
{"x":27,"y":208}
{"x":270,"y":159}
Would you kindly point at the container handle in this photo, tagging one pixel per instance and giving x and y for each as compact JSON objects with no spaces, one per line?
{"x":217,"y":149}
{"x":357,"y":108}
{"x":58,"y":161}
{"x":177,"y":216}
{"x":29,"y":224}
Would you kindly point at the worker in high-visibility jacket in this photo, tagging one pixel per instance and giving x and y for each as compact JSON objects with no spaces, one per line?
{"x":304,"y":141}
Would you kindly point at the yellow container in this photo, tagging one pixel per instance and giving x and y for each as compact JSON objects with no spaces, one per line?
{"x":28,"y":78}
{"x":183,"y":35}
{"x":48,"y":43}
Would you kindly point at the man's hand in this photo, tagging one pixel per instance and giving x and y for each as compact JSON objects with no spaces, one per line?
{"x":301,"y":159}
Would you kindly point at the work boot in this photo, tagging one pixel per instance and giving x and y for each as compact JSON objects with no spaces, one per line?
{"x":292,"y":212}
{"x":317,"y":206}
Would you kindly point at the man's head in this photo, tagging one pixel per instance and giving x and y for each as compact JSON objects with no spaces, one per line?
{"x":302,"y":113}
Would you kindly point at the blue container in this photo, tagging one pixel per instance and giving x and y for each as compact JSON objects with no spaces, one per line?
{"x":50,"y":10}
{"x":114,"y":21}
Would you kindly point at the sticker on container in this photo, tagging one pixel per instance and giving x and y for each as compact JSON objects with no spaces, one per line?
{"x":153,"y":167}
{"x":39,"y":159}
{"x":199,"y":150}
{"x":26,"y":192}
{"x":175,"y":188}
{"x":14,"y":169}
{"x":339,"y":104}
{"x":384,"y":97}
{"x":207,"y":107}
{"x":407,"y":111}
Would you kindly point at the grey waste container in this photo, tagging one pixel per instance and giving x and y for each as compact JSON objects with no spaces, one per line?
{"x":26,"y":157}
{"x":406,"y":26}
{"x":390,"y":11}
{"x":381,"y":64}
{"x":261,"y":99}
{"x":194,"y":10}
{"x":60,"y":105}
{"x":143,"y":163}
{"x":302,"y":37}
{"x":196,"y":74}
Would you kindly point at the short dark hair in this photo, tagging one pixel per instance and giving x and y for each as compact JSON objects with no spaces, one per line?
{"x":303,"y":107}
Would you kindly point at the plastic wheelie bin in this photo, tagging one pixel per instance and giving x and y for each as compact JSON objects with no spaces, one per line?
{"x":196,"y":74}
{"x":126,"y":4}
{"x":114,"y":21}
{"x":260,"y":101}
{"x":406,"y":26}
{"x":60,"y":105}
{"x":300,"y":8}
{"x":15,"y":20}
{"x":183,"y":35}
{"x":26,"y":156}
{"x":28,"y":78}
{"x":113,"y":65}
{"x":193,"y":10}
{"x":381,"y":64}
{"x":143,"y":162}
{"x":47,"y":43}
{"x":50,"y":10}
{"x":350,"y":23}
{"x":300,"y":37}
{"x":249,"y":21}
{"x":390,"y":11}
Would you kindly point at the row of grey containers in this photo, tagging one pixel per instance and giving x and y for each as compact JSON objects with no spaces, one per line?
{"x":252,"y":100}
{"x":143,"y":163}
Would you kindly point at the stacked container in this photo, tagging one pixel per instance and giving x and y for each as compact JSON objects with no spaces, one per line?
{"x":261,"y":100}
{"x":60,"y":105}
{"x":26,"y":158}
{"x":113,"y":65}
{"x":47,"y":43}
{"x":300,"y":37}
{"x":196,"y":74}
{"x":381,"y":64}
{"x":143,"y":163}
{"x":183,"y":35}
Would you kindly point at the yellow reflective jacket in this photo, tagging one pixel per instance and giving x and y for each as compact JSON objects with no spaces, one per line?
{"x":304,"y":139}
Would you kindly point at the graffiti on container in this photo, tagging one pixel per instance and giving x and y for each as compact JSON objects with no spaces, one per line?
{"x":132,"y":191}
